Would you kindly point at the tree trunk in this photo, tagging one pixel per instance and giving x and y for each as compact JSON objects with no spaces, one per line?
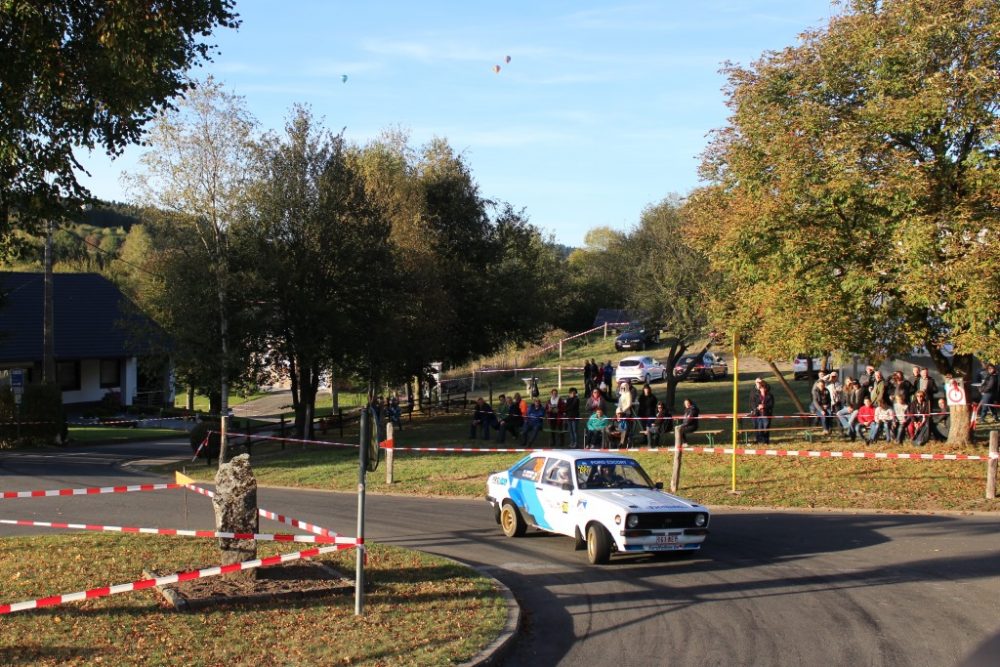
{"x":787,"y":387}
{"x":959,"y":432}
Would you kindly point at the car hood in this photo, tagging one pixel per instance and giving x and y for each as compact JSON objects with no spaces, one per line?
{"x":650,"y":500}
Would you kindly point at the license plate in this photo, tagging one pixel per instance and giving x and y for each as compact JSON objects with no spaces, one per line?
{"x":666,"y":539}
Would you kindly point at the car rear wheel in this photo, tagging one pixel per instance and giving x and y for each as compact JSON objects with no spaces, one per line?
{"x":511,"y":522}
{"x":598,"y":544}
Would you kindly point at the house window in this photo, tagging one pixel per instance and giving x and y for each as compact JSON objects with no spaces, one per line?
{"x":111,"y":370}
{"x":68,"y":375}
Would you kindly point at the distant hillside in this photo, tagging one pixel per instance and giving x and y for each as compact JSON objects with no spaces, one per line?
{"x":111,"y":214}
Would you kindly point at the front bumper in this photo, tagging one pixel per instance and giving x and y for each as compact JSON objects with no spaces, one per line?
{"x":637,"y":540}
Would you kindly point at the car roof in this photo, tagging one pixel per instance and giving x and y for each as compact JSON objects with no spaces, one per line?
{"x":574,"y":454}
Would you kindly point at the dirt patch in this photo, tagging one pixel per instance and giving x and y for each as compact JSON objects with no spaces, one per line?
{"x":290,"y":581}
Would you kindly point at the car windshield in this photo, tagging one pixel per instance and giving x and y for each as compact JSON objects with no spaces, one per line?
{"x":611,"y":474}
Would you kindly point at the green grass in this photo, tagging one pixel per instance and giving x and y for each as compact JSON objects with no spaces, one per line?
{"x":108,"y":434}
{"x":420,"y":609}
{"x":201,"y":403}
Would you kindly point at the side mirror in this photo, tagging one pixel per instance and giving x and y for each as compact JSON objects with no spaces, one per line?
{"x":659,"y":485}
{"x":567,"y":486}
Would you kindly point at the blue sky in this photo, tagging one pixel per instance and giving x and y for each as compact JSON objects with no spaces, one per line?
{"x":603,"y":109}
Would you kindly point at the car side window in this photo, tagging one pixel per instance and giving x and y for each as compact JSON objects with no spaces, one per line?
{"x":556,"y":472}
{"x":531,"y":469}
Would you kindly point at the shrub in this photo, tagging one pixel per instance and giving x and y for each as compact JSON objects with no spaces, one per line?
{"x":42,"y":416}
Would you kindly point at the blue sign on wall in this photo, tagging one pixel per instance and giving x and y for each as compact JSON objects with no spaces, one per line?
{"x":17,"y":378}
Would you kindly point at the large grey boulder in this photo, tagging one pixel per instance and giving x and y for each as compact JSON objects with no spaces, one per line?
{"x":235,"y":505}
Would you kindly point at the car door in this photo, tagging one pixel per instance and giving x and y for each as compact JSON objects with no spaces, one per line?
{"x":556,"y":498}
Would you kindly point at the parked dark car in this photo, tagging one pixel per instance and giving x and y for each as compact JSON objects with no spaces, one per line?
{"x":709,"y":367}
{"x":637,"y":337}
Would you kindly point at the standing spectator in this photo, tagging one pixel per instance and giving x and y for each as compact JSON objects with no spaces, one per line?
{"x":626,"y":398}
{"x":865,"y":424}
{"x":607,"y":375}
{"x":647,"y":407}
{"x":501,"y":417}
{"x":573,"y":418}
{"x":597,"y":427}
{"x":821,"y":405}
{"x":588,"y":373}
{"x":555,"y":410}
{"x":989,"y":392}
{"x":928,"y":385}
{"x":900,"y":385}
{"x":533,"y":421}
{"x":689,"y":424}
{"x":915,"y":378}
{"x":877,"y":390}
{"x":533,"y":388}
{"x":482,"y":419}
{"x":866,"y":380}
{"x":920,"y":419}
{"x":761,"y":410}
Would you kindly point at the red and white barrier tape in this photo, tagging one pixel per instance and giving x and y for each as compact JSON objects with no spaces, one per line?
{"x":188,"y":483}
{"x":180,"y":532}
{"x":722,"y":450}
{"x":6,"y":495}
{"x":165,"y":580}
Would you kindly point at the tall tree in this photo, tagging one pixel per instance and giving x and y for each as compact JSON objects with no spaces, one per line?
{"x":88,"y":75}
{"x":853,"y":197}
{"x":670,"y":285}
{"x":197,"y":170}
{"x":323,"y":262}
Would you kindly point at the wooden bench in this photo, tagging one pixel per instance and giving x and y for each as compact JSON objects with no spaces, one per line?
{"x":709,"y":435}
{"x":808,"y":431}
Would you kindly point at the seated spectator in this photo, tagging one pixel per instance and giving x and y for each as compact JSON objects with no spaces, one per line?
{"x":619,"y":431}
{"x":595,"y":400}
{"x":597,"y":427}
{"x":939,"y":424}
{"x":662,"y":422}
{"x":689,"y":424}
{"x":500,"y":417}
{"x":533,"y":423}
{"x":865,"y":422}
{"x":850,"y":404}
{"x":482,"y":419}
{"x":885,"y":417}
{"x":901,"y":411}
{"x":515,"y":418}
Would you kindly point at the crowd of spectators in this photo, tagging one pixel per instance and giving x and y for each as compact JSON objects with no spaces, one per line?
{"x":895,"y":408}
{"x":624,"y":419}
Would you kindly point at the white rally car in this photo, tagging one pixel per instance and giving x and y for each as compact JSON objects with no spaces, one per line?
{"x":604,"y":501}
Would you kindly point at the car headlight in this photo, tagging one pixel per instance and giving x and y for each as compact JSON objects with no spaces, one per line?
{"x":632,"y":521}
{"x":700,"y":520}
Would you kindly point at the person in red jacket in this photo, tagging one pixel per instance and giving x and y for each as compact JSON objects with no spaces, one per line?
{"x":866,"y":417}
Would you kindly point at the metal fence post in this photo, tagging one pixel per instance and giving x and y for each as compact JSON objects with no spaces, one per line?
{"x":992,"y":464}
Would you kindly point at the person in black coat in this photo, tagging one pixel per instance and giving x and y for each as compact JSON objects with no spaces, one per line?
{"x":761,"y":410}
{"x":689,"y":424}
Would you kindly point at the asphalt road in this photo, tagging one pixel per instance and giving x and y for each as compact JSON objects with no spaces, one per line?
{"x":769,"y":588}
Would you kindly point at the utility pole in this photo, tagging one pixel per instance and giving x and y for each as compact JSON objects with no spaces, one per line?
{"x":48,"y":329}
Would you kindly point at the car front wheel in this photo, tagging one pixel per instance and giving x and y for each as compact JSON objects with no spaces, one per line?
{"x":511,"y":522}
{"x":598,"y":544}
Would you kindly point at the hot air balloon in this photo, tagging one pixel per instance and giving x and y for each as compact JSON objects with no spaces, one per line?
{"x":506,"y":59}
{"x":496,"y":69}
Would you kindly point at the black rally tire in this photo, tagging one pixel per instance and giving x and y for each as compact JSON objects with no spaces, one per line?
{"x":598,"y":544}
{"x":511,"y":522}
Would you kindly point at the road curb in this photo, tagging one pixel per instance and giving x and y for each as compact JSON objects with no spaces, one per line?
{"x":498,"y":649}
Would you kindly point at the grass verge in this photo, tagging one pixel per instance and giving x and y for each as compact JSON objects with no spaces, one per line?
{"x":420,"y":610}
